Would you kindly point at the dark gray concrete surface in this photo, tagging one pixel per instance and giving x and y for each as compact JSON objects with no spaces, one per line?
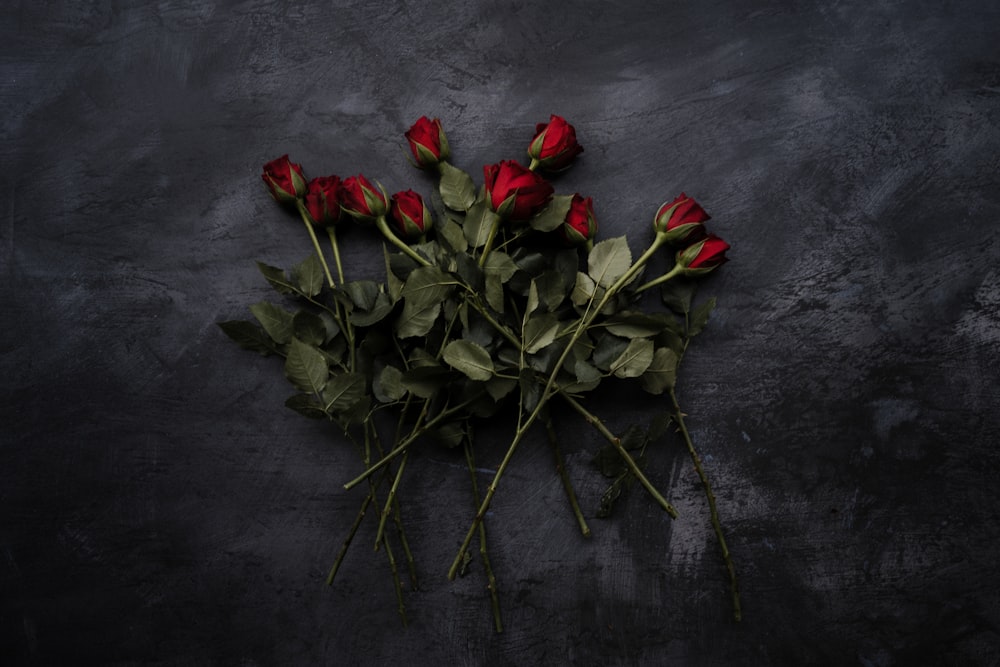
{"x":158,"y":505}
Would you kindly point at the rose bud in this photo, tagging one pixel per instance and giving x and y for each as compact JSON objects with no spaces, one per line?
{"x":703,"y":256}
{"x":515,"y":192}
{"x":284,"y":179}
{"x":428,"y":142}
{"x":361,"y":199}
{"x":323,"y":200}
{"x":554,"y":147}
{"x":681,"y":220}
{"x":410,"y":214}
{"x":580,"y":224}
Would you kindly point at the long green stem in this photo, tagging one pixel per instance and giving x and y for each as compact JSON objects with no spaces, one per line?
{"x":629,"y":461}
{"x":564,"y":476}
{"x":347,"y":542}
{"x":383,"y":227}
{"x":331,"y":232}
{"x":307,"y":219}
{"x":713,"y":510}
{"x":389,"y":501}
{"x":494,"y":227}
{"x":677,"y":270}
{"x":491,"y":580}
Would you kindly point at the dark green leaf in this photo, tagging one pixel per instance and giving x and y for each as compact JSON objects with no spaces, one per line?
{"x":306,"y":367}
{"x":383,"y":306}
{"x":471,"y":359}
{"x":607,"y":349}
{"x":500,"y":264}
{"x":276,"y":321}
{"x":425,"y":381}
{"x":451,"y":235}
{"x":416,"y":320}
{"x":498,"y":387}
{"x":363,"y":293}
{"x":551,"y":289}
{"x":659,"y":426}
{"x":610,"y":462}
{"x":662,"y":372}
{"x":249,"y":336}
{"x":609,"y":260}
{"x":306,"y":405}
{"x":450,"y":434}
{"x":530,"y":390}
{"x":457,"y":189}
{"x":634,"y":324}
{"x":469,"y":271}
{"x":699,"y":318}
{"x":479,"y":220}
{"x":553,"y":215}
{"x":309,"y":328}
{"x":276,"y":278}
{"x":427,"y":286}
{"x":634,"y":361}
{"x":309,"y":275}
{"x":388,"y":385}
{"x":343,"y":392}
{"x":539,"y":331}
{"x":676,"y":295}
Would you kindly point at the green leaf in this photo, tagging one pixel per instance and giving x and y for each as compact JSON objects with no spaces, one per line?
{"x":309,"y":328}
{"x":553,"y":215}
{"x":276,"y":278}
{"x":469,"y":271}
{"x":662,"y":372}
{"x":609,"y":260}
{"x":249,"y":336}
{"x":532,"y":303}
{"x":450,"y":434}
{"x":427,"y":286}
{"x":584,"y":290}
{"x":363,"y":293}
{"x":416,"y":320}
{"x":392,"y":281}
{"x":478,"y":223}
{"x":457,"y":189}
{"x":388,"y":385}
{"x":551,"y":289}
{"x":276,"y":321}
{"x":425,"y":381}
{"x":494,"y":292}
{"x":469,"y":358}
{"x":382,"y":307}
{"x":306,"y":367}
{"x":634,"y":361}
{"x":309,"y":275}
{"x":343,"y":392}
{"x":498,"y":387}
{"x":633,"y":324}
{"x":530,"y":390}
{"x":699,"y":318}
{"x":539,"y":331}
{"x":676,"y":295}
{"x":500,"y":264}
{"x":451,"y":235}
{"x":608,"y":348}
{"x":306,"y":405}
{"x":610,"y":462}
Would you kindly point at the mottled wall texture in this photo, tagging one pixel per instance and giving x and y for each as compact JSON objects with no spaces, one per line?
{"x":159,"y":505}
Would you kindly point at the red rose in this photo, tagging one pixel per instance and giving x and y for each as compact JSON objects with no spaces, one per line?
{"x":428,"y":142}
{"x":284,"y":179}
{"x":554,"y":146}
{"x":681,"y":220}
{"x":703,"y":256}
{"x":323,"y":200}
{"x":410,"y":214}
{"x":515,"y":192}
{"x":361,"y":199}
{"x":580,"y":224}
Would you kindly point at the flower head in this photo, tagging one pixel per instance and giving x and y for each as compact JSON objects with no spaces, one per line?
{"x":681,"y":220}
{"x":323,"y":200}
{"x":554,"y":147}
{"x":428,"y":142}
{"x":361,"y":199}
{"x":580,"y":224}
{"x":410,"y":214}
{"x":515,"y":192}
{"x":284,"y":179}
{"x":703,"y":256}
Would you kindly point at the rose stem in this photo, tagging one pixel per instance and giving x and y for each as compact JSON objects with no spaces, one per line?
{"x":716,"y":524}
{"x":616,"y":441}
{"x":395,"y":579}
{"x":489,"y":239}
{"x":347,"y":542}
{"x":306,"y":218}
{"x":397,"y":512}
{"x":547,"y":393}
{"x":490,"y":578}
{"x":662,"y":279}
{"x":387,"y":509}
{"x":383,"y":227}
{"x":332,"y":233}
{"x":567,"y":484}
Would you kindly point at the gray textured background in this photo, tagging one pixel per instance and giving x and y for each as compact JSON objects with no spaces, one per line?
{"x":158,"y":505}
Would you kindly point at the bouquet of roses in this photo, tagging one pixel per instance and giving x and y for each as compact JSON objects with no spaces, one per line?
{"x":497,"y":298}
